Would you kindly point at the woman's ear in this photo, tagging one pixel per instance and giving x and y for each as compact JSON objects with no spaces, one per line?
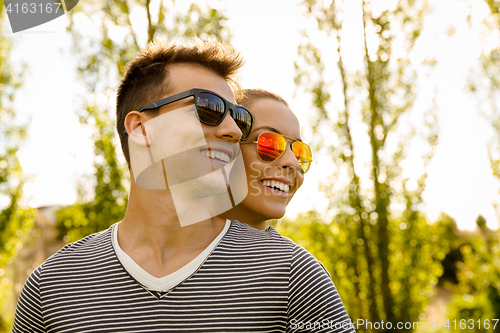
{"x":134,"y":126}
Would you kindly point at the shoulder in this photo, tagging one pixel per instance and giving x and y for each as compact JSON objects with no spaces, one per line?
{"x":313,"y":297}
{"x":245,"y":244}
{"x":303,"y":260}
{"x":89,"y":249}
{"x":245,"y":239}
{"x":244,"y":235}
{"x":307,"y":273}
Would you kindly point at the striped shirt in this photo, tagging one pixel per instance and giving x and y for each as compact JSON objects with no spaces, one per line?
{"x":253,"y":281}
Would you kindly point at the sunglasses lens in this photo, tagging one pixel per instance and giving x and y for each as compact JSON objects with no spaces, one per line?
{"x":270,"y":146}
{"x":211,"y":112}
{"x":303,"y":154}
{"x":210,"y":108}
{"x":243,"y":120}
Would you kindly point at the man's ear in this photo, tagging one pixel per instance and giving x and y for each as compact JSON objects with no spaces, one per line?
{"x":134,"y":125}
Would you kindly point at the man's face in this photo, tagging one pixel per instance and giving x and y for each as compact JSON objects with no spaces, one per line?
{"x":191,"y":152}
{"x":182,"y":77}
{"x":193,"y":163}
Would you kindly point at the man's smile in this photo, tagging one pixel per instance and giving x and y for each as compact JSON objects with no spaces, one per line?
{"x":216,"y":154}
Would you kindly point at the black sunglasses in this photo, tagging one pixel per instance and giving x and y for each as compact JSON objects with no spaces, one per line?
{"x":211,"y":109}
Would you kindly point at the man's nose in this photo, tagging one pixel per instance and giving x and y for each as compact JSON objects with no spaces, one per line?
{"x":228,"y":129}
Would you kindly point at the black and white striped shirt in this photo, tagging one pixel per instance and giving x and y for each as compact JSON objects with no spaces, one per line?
{"x":253,"y":281}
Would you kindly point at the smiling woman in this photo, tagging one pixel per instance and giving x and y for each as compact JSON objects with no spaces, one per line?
{"x":275,"y":159}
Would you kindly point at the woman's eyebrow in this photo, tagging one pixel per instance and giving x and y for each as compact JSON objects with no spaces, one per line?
{"x":272,"y":129}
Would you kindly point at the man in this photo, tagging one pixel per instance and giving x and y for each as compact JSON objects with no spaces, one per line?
{"x":167,"y":267}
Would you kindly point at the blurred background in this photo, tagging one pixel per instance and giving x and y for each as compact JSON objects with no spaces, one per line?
{"x":400,"y":101}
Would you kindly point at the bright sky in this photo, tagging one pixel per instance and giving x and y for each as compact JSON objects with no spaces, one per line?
{"x":460,"y":183}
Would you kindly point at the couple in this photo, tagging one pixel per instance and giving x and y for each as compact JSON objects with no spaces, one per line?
{"x":171,"y":265}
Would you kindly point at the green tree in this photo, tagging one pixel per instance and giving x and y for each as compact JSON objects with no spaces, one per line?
{"x":14,"y":219}
{"x":387,"y":259}
{"x":486,"y":84}
{"x":477,"y":295}
{"x":491,"y":61}
{"x":104,"y":55}
{"x":491,"y":69}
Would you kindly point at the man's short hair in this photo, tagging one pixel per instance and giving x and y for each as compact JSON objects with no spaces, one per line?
{"x":146,"y":78}
{"x":251,"y":95}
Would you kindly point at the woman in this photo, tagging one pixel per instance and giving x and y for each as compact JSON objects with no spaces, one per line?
{"x":274,"y":171}
{"x":275,"y":162}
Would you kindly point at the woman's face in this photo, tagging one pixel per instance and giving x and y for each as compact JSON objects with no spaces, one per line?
{"x":262,"y":202}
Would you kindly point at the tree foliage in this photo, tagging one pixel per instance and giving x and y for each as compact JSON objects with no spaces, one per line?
{"x":109,"y":198}
{"x":477,"y":294}
{"x":480,"y":271}
{"x":107,"y":35}
{"x":379,"y":245}
{"x":14,"y":219}
{"x":490,"y":61}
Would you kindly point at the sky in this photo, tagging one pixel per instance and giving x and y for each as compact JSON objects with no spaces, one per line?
{"x":58,"y":152}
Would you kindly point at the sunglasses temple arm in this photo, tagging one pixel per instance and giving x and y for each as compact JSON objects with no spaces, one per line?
{"x":168,"y":100}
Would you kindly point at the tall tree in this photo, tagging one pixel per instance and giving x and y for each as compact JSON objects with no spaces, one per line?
{"x":14,"y":219}
{"x":385,"y":258}
{"x":479,"y":273}
{"x":107,"y":35}
{"x":477,"y":294}
{"x":490,"y":61}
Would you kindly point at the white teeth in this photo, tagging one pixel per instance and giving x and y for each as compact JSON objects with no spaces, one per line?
{"x":214,"y":154}
{"x":276,"y":184}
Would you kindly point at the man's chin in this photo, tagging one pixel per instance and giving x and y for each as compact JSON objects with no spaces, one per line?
{"x":206,"y":187}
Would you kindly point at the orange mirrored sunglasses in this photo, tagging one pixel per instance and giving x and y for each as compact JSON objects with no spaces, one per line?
{"x":271,"y":146}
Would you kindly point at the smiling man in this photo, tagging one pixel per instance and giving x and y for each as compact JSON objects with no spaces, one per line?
{"x":172,"y":265}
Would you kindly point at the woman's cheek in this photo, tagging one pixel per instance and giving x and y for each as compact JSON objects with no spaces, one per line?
{"x":253,"y":174}
{"x":300,"y":179}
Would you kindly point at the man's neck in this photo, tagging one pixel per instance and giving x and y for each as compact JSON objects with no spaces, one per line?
{"x":151,"y":235}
